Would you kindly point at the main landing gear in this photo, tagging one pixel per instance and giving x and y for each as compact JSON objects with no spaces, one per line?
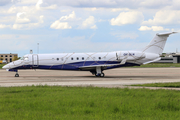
{"x":99,"y":75}
{"x":98,"y":72}
{"x":16,"y":75}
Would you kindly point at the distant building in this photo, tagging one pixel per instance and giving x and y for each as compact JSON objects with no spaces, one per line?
{"x":170,"y":58}
{"x":8,"y":57}
{"x":176,"y":58}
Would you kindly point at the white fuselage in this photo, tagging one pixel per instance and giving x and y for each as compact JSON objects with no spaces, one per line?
{"x":80,"y":61}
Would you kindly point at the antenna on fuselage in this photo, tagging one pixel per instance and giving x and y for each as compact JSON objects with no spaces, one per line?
{"x":31,"y":51}
{"x":116,"y":56}
{"x":37,"y":48}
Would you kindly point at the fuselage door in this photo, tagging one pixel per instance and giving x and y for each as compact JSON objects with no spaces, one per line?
{"x":35,"y":61}
{"x":117,"y":56}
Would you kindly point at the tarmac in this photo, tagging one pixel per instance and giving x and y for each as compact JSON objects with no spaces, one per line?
{"x":119,"y":77}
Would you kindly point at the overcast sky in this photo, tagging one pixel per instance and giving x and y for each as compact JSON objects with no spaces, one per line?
{"x":86,"y":25}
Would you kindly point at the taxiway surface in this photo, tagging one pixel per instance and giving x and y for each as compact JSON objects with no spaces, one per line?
{"x":113,"y":78}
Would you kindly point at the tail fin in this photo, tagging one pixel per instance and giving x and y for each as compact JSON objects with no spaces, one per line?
{"x":157,"y":43}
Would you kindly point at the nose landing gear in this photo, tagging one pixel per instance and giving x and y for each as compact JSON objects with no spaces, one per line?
{"x":16,"y":75}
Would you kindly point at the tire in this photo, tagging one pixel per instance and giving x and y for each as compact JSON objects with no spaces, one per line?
{"x":102,"y":75}
{"x":97,"y":75}
{"x":16,"y":75}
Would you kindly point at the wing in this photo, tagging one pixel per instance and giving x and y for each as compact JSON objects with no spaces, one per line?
{"x":92,"y":67}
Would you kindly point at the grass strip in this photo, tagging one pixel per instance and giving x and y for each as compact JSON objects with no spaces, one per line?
{"x":1,"y":65}
{"x":79,"y":103}
{"x":173,"y":84}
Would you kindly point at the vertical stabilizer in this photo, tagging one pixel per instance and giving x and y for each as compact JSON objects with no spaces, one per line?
{"x":157,"y":43}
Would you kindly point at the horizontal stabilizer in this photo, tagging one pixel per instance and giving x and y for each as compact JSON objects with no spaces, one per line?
{"x":161,"y":34}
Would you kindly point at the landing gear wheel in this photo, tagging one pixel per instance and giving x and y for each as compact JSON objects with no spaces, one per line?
{"x":16,"y":75}
{"x":97,"y":75}
{"x":102,"y":75}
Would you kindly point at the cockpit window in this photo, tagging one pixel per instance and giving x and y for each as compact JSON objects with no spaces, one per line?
{"x":25,"y":58}
{"x":22,"y":58}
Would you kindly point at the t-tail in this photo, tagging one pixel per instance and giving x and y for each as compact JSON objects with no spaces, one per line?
{"x":157,"y":43}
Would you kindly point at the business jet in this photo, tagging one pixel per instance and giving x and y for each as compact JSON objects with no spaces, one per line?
{"x":96,"y":63}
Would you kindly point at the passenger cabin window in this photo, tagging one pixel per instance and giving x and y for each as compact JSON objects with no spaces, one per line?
{"x":82,"y":58}
{"x":77,"y":58}
{"x":99,"y":58}
{"x":57,"y":59}
{"x":71,"y":58}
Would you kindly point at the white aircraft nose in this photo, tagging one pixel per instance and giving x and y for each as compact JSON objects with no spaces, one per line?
{"x":5,"y":67}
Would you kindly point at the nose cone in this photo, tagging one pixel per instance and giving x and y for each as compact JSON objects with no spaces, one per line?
{"x":5,"y":67}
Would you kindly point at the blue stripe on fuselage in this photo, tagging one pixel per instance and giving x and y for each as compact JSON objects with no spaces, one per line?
{"x":76,"y":65}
